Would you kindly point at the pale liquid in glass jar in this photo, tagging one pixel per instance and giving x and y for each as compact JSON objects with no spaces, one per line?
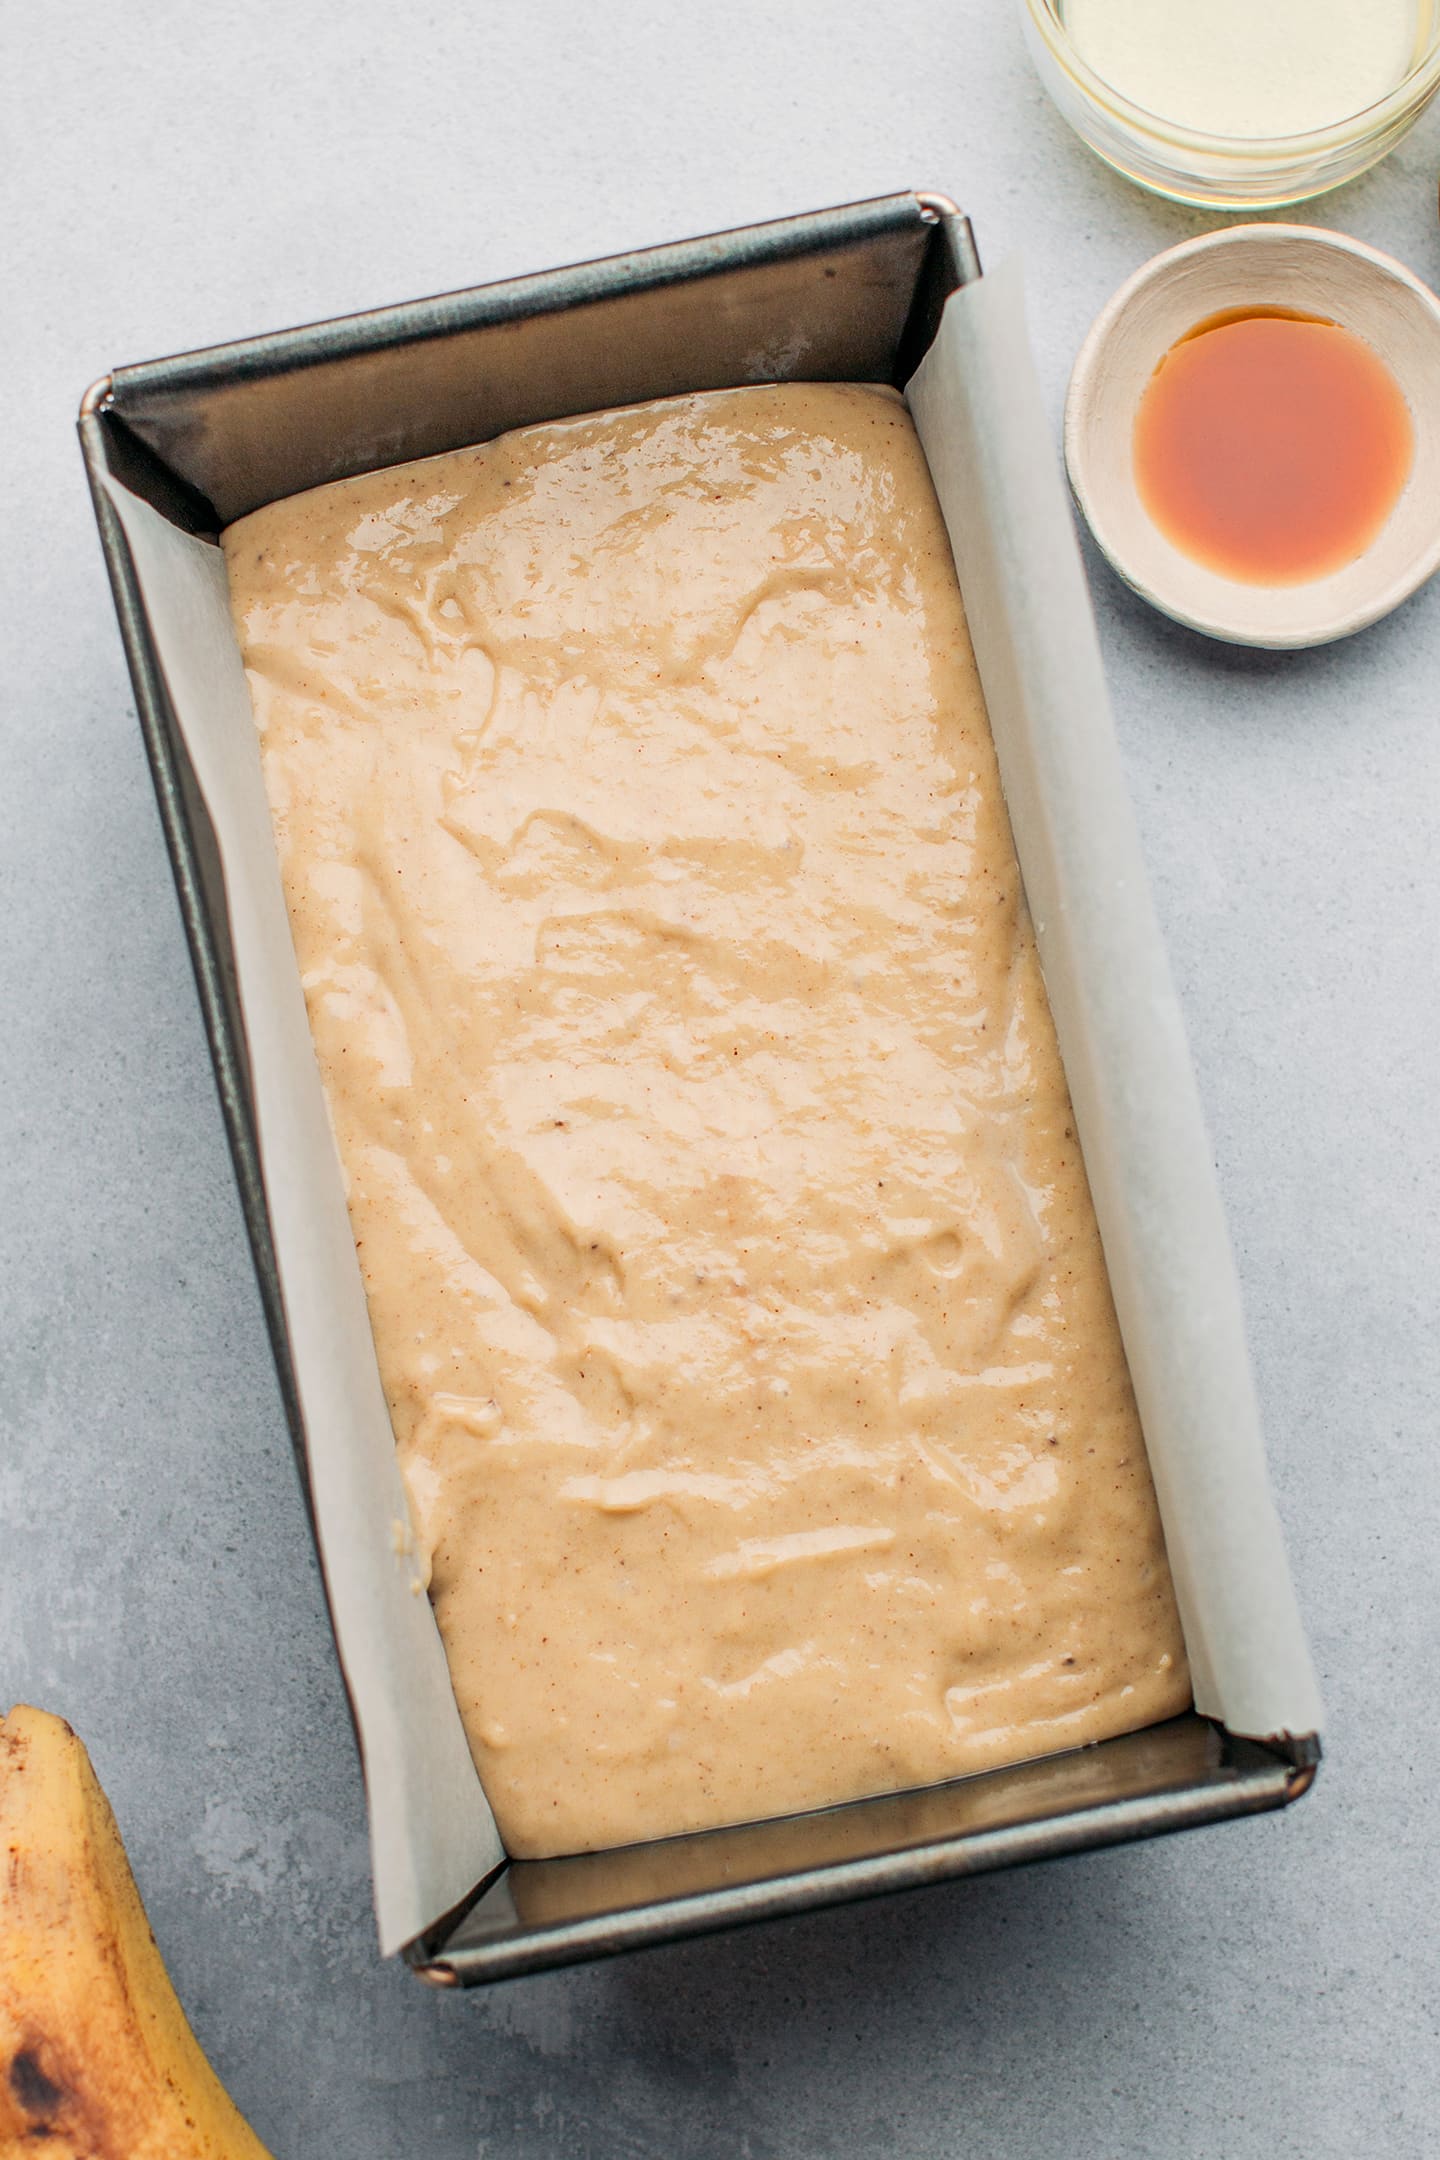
{"x":1250,"y":68}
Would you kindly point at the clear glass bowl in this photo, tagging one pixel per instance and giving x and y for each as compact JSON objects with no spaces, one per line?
{"x":1223,"y":171}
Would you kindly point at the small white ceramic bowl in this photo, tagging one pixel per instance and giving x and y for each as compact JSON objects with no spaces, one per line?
{"x":1289,"y":266}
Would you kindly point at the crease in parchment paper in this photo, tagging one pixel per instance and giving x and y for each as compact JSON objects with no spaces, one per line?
{"x":979,"y":414}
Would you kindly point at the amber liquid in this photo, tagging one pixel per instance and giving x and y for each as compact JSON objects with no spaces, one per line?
{"x":1272,"y":446}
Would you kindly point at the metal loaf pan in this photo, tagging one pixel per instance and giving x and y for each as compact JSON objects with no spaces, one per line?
{"x":847,"y":294}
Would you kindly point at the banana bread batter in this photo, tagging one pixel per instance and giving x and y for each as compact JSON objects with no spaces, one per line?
{"x":731,"y":1263}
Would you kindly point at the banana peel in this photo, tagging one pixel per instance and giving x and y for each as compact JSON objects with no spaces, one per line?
{"x":97,"y":2061}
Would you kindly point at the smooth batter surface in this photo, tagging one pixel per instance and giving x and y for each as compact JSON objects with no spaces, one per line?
{"x":730,"y":1258}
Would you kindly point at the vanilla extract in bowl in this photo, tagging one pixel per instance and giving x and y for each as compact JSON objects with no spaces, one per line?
{"x":1252,"y":433}
{"x":1272,"y":445}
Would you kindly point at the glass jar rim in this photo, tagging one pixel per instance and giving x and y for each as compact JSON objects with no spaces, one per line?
{"x":1421,"y":82}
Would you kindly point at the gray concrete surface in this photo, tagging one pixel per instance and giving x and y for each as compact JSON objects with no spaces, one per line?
{"x":175,"y":175}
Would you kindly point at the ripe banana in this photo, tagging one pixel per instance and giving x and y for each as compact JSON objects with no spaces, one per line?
{"x":96,"y":2059}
